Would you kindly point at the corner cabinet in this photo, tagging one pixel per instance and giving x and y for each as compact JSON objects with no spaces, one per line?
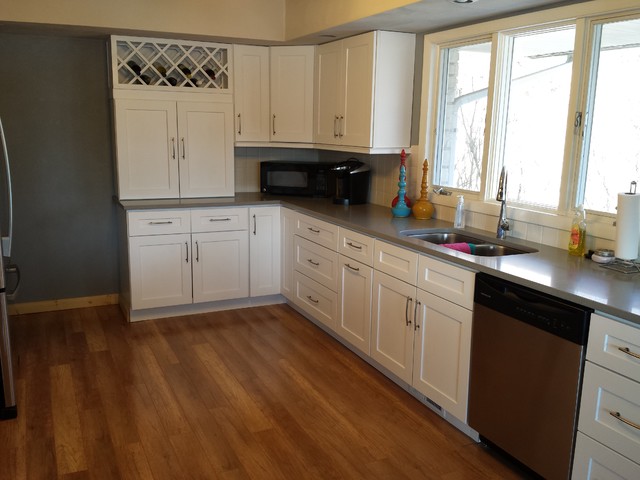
{"x":364,"y":92}
{"x":173,"y":116}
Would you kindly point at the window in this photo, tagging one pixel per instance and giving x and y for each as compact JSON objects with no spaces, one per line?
{"x":611,"y":150}
{"x":532,"y":114}
{"x":464,"y":79}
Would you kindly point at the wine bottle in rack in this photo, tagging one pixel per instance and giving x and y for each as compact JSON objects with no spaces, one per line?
{"x":211,"y":73}
{"x":135,"y":68}
{"x":185,"y":70}
{"x":160,"y":68}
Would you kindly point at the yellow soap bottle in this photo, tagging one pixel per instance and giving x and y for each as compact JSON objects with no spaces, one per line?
{"x":578,"y":233}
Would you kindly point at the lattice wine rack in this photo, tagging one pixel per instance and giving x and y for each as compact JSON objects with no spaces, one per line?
{"x":150,"y":63}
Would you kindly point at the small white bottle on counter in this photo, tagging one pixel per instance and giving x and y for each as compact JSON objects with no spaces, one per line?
{"x":459,"y":222}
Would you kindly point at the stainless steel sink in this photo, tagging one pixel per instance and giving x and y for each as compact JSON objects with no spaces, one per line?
{"x":482,"y":247}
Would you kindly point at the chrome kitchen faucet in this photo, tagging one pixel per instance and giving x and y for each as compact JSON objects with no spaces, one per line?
{"x":503,"y":223}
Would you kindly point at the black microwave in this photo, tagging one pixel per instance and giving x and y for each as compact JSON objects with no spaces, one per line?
{"x":297,"y":178}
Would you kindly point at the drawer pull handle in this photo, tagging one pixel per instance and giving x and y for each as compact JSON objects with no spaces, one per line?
{"x":220,"y":219}
{"x":629,"y":352}
{"x":313,"y":299}
{"x":186,"y":246}
{"x":357,"y":247}
{"x":315,"y":264}
{"x":617,"y":416}
{"x":355,"y":269}
{"x":168,"y":222}
{"x":406,"y":311}
{"x":313,"y":230}
{"x":416,"y":325}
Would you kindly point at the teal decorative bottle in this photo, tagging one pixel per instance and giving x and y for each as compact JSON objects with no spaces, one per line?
{"x":401,"y":209}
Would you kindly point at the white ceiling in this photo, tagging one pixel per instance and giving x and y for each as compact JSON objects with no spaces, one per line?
{"x":433,"y":15}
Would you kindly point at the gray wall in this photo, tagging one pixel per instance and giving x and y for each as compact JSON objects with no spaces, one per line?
{"x":54,"y":104}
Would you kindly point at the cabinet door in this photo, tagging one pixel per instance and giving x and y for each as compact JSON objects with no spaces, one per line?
{"x":354,"y":302}
{"x":220,"y":266}
{"x":442,"y":353}
{"x":392,"y":324}
{"x":264,"y":251}
{"x":594,"y":461}
{"x":287,"y":228}
{"x":355,"y":127}
{"x":146,"y":148}
{"x":160,"y":267}
{"x":292,"y":94}
{"x":251,"y":97}
{"x":328,"y":92}
{"x":206,"y":149}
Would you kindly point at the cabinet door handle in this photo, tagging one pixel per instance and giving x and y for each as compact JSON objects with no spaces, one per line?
{"x":313,"y":299}
{"x":173,"y":147}
{"x":186,"y":245}
{"x":315,"y":264}
{"x":629,"y":352}
{"x":254,"y":224}
{"x":313,"y":230}
{"x":227,"y":219}
{"x":617,"y":416}
{"x":166,"y":222}
{"x":340,"y":130}
{"x":406,"y":312}
{"x":183,"y":151}
{"x":197,"y":252}
{"x":355,"y":269}
{"x":357,"y":247}
{"x":274,"y":123}
{"x":416,"y":325}
{"x":335,"y":126}
{"x":239,"y":125}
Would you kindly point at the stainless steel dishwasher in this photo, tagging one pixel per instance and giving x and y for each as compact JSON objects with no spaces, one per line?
{"x":527,"y":357}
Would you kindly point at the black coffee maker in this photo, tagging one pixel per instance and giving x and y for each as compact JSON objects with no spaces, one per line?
{"x":352,"y":182}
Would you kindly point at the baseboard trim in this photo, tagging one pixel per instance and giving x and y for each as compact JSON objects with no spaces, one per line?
{"x":62,"y":304}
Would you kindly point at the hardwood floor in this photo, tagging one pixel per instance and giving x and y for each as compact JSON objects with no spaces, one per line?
{"x":258,"y":393}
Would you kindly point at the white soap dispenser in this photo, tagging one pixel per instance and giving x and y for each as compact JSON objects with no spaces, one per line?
{"x":459,"y":218}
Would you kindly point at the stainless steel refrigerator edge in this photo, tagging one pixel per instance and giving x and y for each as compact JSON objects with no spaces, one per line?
{"x":8,"y":408}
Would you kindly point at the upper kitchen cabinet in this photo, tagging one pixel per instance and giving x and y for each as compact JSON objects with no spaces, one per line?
{"x":364,"y":92}
{"x":170,"y":65}
{"x":273,"y":94}
{"x":173,"y":118}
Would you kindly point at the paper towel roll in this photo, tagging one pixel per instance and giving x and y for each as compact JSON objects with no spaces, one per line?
{"x":628,"y":226}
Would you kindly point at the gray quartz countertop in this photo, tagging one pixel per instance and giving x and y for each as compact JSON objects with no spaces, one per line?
{"x":550,"y":270}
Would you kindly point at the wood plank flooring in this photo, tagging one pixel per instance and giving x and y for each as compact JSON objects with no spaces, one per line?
{"x":257,"y":393}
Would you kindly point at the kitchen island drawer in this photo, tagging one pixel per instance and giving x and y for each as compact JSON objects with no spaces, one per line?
{"x":315,"y":299}
{"x":219,"y":219}
{"x":610,"y":410}
{"x":316,"y":262}
{"x":356,"y":245}
{"x":158,"y":222}
{"x":318,"y":231}
{"x":614,"y":345}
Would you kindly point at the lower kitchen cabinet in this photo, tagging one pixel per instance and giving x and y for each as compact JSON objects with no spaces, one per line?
{"x":264,"y":251}
{"x":392,"y":324}
{"x":160,"y":270}
{"x":287,"y":229}
{"x":354,"y":302}
{"x":594,"y":461}
{"x":442,"y":352}
{"x":220,"y":266}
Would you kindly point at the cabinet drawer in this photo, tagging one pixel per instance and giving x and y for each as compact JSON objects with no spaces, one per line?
{"x":316,"y":262}
{"x":158,"y":222}
{"x":594,"y":461}
{"x":355,"y":245}
{"x":395,"y":261}
{"x":604,"y":394}
{"x":219,"y":219}
{"x":315,"y":299}
{"x":446,"y":281}
{"x":322,"y":233}
{"x":613,"y":344}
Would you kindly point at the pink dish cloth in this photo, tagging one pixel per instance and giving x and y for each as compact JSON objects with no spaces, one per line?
{"x":460,"y":247}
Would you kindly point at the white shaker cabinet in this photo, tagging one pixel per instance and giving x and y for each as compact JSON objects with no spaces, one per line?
{"x":354,"y":303}
{"x":251,"y":97}
{"x":172,"y":149}
{"x":287,"y":228}
{"x":264,"y":250}
{"x":364,"y":91}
